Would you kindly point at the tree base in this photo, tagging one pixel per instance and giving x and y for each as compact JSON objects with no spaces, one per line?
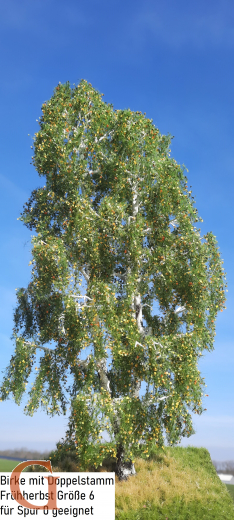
{"x":124,"y":470}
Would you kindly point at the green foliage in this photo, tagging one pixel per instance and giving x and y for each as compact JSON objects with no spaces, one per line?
{"x":120,"y":274}
{"x":19,"y":370}
{"x":64,"y":458}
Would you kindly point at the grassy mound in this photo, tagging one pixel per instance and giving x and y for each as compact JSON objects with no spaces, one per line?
{"x":174,"y":483}
{"x":182,"y":484}
{"x":171,"y":484}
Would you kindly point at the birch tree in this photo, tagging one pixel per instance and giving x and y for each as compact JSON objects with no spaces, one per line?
{"x":124,"y":290}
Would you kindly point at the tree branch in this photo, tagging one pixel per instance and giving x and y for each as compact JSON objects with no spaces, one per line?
{"x":180,"y":309}
{"x":86,"y":276}
{"x":61,"y":323}
{"x":84,"y":363}
{"x":102,"y":372}
{"x":105,"y":136}
{"x":78,"y":306}
{"x":121,"y":276}
{"x":136,"y":389}
{"x":39,"y":346}
{"x":173,"y":222}
{"x":151,"y":400}
{"x":147,"y":230}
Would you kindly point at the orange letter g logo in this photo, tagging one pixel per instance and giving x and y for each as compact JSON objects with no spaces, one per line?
{"x":15,"y":485}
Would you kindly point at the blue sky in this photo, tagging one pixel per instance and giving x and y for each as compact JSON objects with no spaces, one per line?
{"x":172,"y":60}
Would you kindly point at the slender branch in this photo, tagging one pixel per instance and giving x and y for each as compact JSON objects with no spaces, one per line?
{"x":129,"y":219}
{"x":157,"y":343}
{"x":154,"y":343}
{"x":46,"y":349}
{"x":78,"y":306}
{"x":151,"y":400}
{"x":121,"y":276}
{"x":135,"y":204}
{"x":158,"y":353}
{"x":95,"y":213}
{"x":84,"y":363}
{"x":81,"y":296}
{"x":102,"y":372}
{"x":180,"y":309}
{"x":39,"y":346}
{"x":136,"y":388}
{"x":147,"y":230}
{"x":138,"y":308}
{"x":61,"y":323}
{"x":173,"y":223}
{"x":137,"y":343}
{"x":86,"y":276}
{"x":104,"y":136}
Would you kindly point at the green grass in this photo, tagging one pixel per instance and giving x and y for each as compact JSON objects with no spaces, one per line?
{"x":8,"y":465}
{"x":180,"y":485}
{"x":230,"y":488}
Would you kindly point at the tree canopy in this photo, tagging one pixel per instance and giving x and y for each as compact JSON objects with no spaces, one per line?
{"x":124,"y":291}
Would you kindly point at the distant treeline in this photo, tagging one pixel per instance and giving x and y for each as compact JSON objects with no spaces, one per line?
{"x":224,"y":467}
{"x":24,"y":454}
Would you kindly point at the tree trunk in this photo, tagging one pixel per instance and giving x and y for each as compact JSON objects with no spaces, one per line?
{"x":123,"y":469}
